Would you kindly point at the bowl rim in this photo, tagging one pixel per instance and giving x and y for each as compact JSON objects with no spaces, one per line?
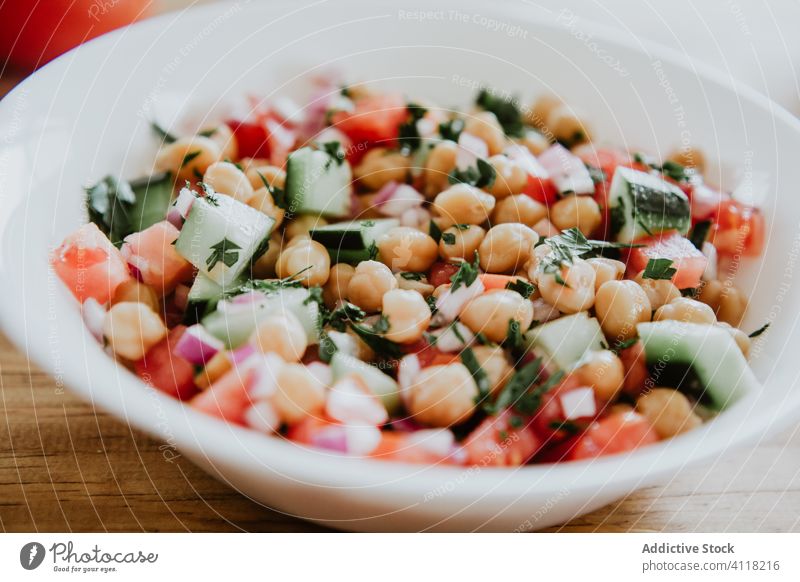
{"x":316,"y":468}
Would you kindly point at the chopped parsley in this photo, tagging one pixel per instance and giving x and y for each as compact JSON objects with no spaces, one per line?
{"x":226,"y":251}
{"x":478,"y":374}
{"x":659,"y":269}
{"x":190,"y":156}
{"x":431,"y":301}
{"x":504,"y":108}
{"x":344,"y":314}
{"x":334,"y":150}
{"x":165,"y":136}
{"x":449,"y":238}
{"x":522,"y":287}
{"x":481,"y":175}
{"x":408,"y":136}
{"x":524,"y":391}
{"x":514,"y":340}
{"x":411,"y":276}
{"x":434,"y":231}
{"x":451,"y":130}
{"x":466,"y":274}
{"x":759,"y":331}
{"x":670,"y":169}
{"x":379,"y":344}
{"x":278,"y":195}
{"x":699,"y":233}
{"x":327,"y":348}
{"x":623,"y":344}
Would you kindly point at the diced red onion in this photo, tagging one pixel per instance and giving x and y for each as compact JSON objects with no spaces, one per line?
{"x":450,"y":303}
{"x":406,"y":425}
{"x":407,"y":372}
{"x":264,"y":379}
{"x":567,"y":171}
{"x":578,"y":403}
{"x":316,"y":111}
{"x":705,"y":201}
{"x":239,"y":355}
{"x":263,"y":417}
{"x":437,"y":441}
{"x":174,"y":218}
{"x":281,"y":142}
{"x":288,"y":111}
{"x":181,"y":296}
{"x":136,"y":264}
{"x":385,"y":193}
{"x":248,"y":298}
{"x":447,"y":340}
{"x":350,"y":401}
{"x":362,"y":439}
{"x":332,"y":438}
{"x":417,"y":217}
{"x":470,"y":148}
{"x":183,"y":203}
{"x":527,"y":161}
{"x":543,"y":311}
{"x":93,"y":316}
{"x":197,"y":345}
{"x":403,"y":198}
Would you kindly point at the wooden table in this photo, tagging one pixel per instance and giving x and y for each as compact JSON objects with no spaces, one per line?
{"x":64,"y":466}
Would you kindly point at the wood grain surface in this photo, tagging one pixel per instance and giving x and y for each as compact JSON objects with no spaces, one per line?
{"x":66,"y":467}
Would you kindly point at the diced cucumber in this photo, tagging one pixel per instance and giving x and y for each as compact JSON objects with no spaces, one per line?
{"x":221,"y":236}
{"x":153,"y":195}
{"x":352,"y":242}
{"x":379,"y":383}
{"x":234,"y":325}
{"x":702,"y":352}
{"x":564,"y":341}
{"x":204,"y":289}
{"x":642,"y":204}
{"x":318,"y":183}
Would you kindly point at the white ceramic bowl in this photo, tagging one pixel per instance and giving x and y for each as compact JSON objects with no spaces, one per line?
{"x":87,"y":114}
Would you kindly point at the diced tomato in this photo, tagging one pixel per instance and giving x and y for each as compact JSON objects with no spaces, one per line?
{"x":604,"y":158}
{"x":152,"y":253}
{"x":541,"y":189}
{"x":281,"y":141}
{"x":601,"y":197}
{"x":89,"y":265}
{"x":426,"y":353}
{"x":706,"y":202}
{"x":550,"y":421}
{"x":494,"y":281}
{"x":635,"y":364}
{"x":739,"y":229}
{"x":251,"y":138}
{"x":306,"y":431}
{"x":228,"y":397}
{"x":686,"y":258}
{"x":504,"y":440}
{"x":617,"y":433}
{"x":162,"y":368}
{"x":401,"y":447}
{"x":375,"y":119}
{"x":440,"y":273}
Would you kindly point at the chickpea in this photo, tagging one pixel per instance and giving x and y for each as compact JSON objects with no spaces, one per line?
{"x":506,"y":247}
{"x":262,"y":201}
{"x":604,"y":372}
{"x":442,"y":395}
{"x":408,"y":314}
{"x":659,"y":291}
{"x":726,"y":300}
{"x":187,"y":158}
{"x":466,"y":239}
{"x":264,"y":266}
{"x":580,"y":212}
{"x":407,"y":249}
{"x":302,"y":225}
{"x":545,"y":229}
{"x":620,"y":305}
{"x":274,"y":176}
{"x":510,"y":177}
{"x":576,"y":294}
{"x":494,"y":362}
{"x":308,"y":259}
{"x":134,"y":291}
{"x":539,"y":111}
{"x":687,"y":310}
{"x":381,"y":166}
{"x":535,"y":141}
{"x":567,"y":127}
{"x":226,"y":178}
{"x":335,"y":289}
{"x":669,"y":411}
{"x":421,"y":286}
{"x":132,"y":328}
{"x":519,"y":208}
{"x":484,"y":125}
{"x":441,"y":161}
{"x":742,"y":339}
{"x":367,"y":207}
{"x":491,"y":312}
{"x":300,"y":394}
{"x":689,"y":157}
{"x":606,"y":270}
{"x":464,"y":204}
{"x":369,"y":283}
{"x":283,"y":334}
{"x":223,"y":136}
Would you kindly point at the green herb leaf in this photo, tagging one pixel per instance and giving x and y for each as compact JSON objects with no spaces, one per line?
{"x":344,"y":314}
{"x":411,"y":276}
{"x":379,"y":344}
{"x":382,"y":325}
{"x":504,"y":108}
{"x":165,"y":136}
{"x":481,"y":175}
{"x":408,"y":135}
{"x":189,"y":157}
{"x":659,"y":269}
{"x":522,"y":287}
{"x":759,"y":331}
{"x":478,"y":374}
{"x":449,"y":238}
{"x":466,"y":274}
{"x":226,"y":251}
{"x":278,"y":195}
{"x":326,"y":347}
{"x":451,"y":130}
{"x":699,"y":233}
{"x":434,"y":231}
{"x":623,"y":344}
{"x":334,"y":150}
{"x":514,"y":340}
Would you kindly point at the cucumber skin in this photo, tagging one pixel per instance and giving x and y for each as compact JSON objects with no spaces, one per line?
{"x":302,"y":193}
{"x":382,"y":386}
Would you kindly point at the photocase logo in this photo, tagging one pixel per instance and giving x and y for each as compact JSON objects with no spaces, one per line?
{"x":31,"y":555}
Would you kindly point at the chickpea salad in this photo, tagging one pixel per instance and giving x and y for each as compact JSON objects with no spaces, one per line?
{"x":379,"y":276}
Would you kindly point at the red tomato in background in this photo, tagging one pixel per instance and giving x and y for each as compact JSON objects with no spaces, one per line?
{"x":738,"y":229}
{"x":89,"y":265}
{"x":551,"y":414}
{"x":604,"y":158}
{"x":635,"y":363}
{"x":618,"y":433}
{"x":35,"y":32}
{"x":441,"y":272}
{"x":376,"y":119}
{"x":251,"y":138}
{"x":228,"y":397}
{"x":686,"y":258}
{"x":498,"y":441}
{"x":153,"y":253}
{"x":542,"y":190}
{"x":400,"y":447}
{"x":163,"y":369}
